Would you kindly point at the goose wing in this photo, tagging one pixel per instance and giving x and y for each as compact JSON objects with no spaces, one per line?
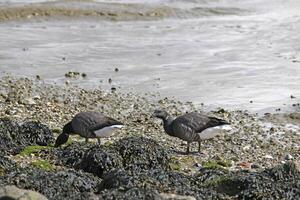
{"x":199,"y":122}
{"x":105,"y":122}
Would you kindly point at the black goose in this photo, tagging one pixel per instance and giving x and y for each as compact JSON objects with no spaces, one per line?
{"x":190,"y":126}
{"x":88,"y":125}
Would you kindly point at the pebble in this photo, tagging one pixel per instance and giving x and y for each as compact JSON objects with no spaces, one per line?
{"x":269,"y":156}
{"x":29,"y":101}
{"x":255,"y":166}
{"x":247,"y":147}
{"x":37,"y":97}
{"x":113,"y":89}
{"x":288,"y":157}
{"x":243,"y":165}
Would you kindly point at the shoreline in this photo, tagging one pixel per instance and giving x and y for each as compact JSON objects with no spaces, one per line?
{"x":141,"y":152}
{"x":25,"y":99}
{"x":109,"y":11}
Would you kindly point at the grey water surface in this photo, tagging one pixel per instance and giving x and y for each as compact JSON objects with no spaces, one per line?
{"x":247,"y":52}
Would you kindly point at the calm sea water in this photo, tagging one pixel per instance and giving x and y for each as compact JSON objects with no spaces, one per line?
{"x":251,"y":53}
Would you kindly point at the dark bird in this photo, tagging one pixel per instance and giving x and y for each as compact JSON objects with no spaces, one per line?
{"x":191,"y":127}
{"x":88,"y":125}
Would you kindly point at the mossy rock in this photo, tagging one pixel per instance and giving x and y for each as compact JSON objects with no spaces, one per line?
{"x":215,"y":182}
{"x":2,"y":171}
{"x":27,"y":151}
{"x":216,"y":164}
{"x":69,"y":142}
{"x":175,"y":164}
{"x":43,"y":165}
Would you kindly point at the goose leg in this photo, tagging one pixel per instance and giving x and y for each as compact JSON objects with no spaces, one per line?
{"x":99,"y":141}
{"x":86,"y":140}
{"x":199,"y":146}
{"x":188,"y":148}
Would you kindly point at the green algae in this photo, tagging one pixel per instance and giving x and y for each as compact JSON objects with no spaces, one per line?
{"x":216,"y":181}
{"x":42,"y":164}
{"x":216,"y":164}
{"x":32,"y":150}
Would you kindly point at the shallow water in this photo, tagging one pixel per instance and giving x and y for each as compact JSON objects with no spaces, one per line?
{"x":219,"y":60}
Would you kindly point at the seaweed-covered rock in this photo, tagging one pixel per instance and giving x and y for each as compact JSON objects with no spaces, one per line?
{"x":14,"y":137}
{"x":68,"y":184}
{"x":69,"y":155}
{"x":142,"y":153}
{"x":8,"y":134}
{"x":35,"y":133}
{"x":156,"y":180}
{"x":5,"y":164}
{"x":289,"y":170}
{"x":280,"y":182}
{"x":89,"y":157}
{"x":134,"y":153}
{"x":99,"y":161}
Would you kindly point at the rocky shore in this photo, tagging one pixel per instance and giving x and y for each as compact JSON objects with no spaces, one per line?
{"x":258,"y":159}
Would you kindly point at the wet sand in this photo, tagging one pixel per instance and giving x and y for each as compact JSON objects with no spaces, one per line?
{"x":107,"y":11}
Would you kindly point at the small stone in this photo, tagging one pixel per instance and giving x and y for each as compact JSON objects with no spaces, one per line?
{"x":247,"y":147}
{"x":293,"y":97}
{"x":244,"y":165}
{"x":255,"y":166}
{"x":109,"y":80}
{"x":29,"y":101}
{"x":12,"y":192}
{"x":168,"y":196}
{"x":38,"y":77}
{"x":83,"y":75}
{"x":37,"y":97}
{"x":63,"y":58}
{"x":198,"y":165}
{"x":116,"y":69}
{"x":251,"y":101}
{"x":113,"y":89}
{"x":288,"y":157}
{"x":268,"y":156}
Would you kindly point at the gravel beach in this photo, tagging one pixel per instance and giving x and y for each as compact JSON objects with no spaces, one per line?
{"x":256,"y":144}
